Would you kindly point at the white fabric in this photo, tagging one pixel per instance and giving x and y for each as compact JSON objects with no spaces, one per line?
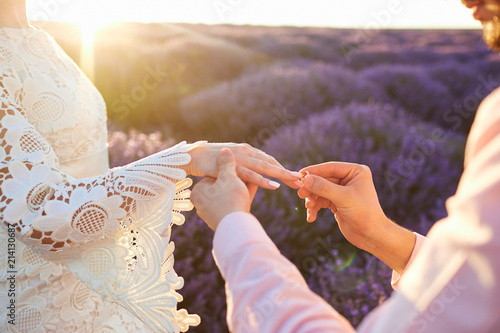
{"x":396,"y":277}
{"x":90,"y":253}
{"x":91,"y":165}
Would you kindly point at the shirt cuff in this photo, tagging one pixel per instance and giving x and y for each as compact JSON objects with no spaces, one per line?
{"x":235,"y":231}
{"x":396,"y":277}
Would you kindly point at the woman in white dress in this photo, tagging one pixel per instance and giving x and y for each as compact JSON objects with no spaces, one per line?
{"x":84,"y":248}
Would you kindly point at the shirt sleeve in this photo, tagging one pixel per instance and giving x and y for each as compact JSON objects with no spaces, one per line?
{"x":266,"y":292}
{"x":419,"y":241}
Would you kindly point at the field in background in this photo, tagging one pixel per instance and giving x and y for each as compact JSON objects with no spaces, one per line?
{"x":401,"y":102}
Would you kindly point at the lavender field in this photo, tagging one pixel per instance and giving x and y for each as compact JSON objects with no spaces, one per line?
{"x":401,"y":102}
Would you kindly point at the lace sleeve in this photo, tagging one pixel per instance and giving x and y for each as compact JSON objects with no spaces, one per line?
{"x":112,"y":231}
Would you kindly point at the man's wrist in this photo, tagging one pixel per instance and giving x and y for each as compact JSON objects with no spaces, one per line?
{"x":227,"y":215}
{"x":378,"y":233}
{"x":392,"y":244}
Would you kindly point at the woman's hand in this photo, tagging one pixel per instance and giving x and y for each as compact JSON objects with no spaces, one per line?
{"x":348,"y":191}
{"x":252,"y":163}
{"x":216,"y":198}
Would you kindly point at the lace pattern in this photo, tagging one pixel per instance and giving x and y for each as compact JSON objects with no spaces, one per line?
{"x":60,"y":101}
{"x":111,"y":231}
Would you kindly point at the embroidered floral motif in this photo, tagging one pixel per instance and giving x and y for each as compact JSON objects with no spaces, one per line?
{"x":93,"y":252}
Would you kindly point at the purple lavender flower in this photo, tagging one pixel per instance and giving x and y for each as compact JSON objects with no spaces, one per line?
{"x":127,"y":147}
{"x":240,"y":110}
{"x":412,"y":89}
{"x":413,"y":174}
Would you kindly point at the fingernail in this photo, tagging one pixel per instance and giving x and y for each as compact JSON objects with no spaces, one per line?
{"x":296,"y":174}
{"x":298,"y":183}
{"x":274,"y":184}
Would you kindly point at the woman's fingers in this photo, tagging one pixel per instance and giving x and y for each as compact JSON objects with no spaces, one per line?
{"x":251,"y":177}
{"x":262,"y":163}
{"x":259,"y":154}
{"x":265,"y":167}
{"x":250,"y":158}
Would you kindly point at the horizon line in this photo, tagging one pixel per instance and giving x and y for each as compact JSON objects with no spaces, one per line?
{"x":276,"y":25}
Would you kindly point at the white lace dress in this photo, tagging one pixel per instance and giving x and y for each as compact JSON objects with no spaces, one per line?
{"x":82,"y":248}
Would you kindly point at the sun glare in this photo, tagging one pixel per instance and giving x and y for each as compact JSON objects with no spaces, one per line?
{"x":89,"y":29}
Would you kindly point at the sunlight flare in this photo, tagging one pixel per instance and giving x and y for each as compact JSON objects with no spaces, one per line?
{"x":87,"y":51}
{"x":89,"y":30}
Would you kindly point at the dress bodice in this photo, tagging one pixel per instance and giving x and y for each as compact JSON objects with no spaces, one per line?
{"x":59,"y":100}
{"x":90,"y":246}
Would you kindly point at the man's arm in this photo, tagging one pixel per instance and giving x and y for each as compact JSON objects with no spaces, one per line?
{"x":265,"y":291}
{"x":347,"y":189}
{"x":450,"y":287}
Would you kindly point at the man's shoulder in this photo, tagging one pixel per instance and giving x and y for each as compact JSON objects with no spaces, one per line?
{"x":489,"y":110}
{"x":486,"y":126}
{"x":493,"y":97}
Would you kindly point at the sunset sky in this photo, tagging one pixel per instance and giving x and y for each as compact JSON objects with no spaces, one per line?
{"x":327,"y":13}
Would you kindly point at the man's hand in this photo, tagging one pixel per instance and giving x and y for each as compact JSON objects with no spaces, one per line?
{"x":348,"y":191}
{"x":214,"y":199}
